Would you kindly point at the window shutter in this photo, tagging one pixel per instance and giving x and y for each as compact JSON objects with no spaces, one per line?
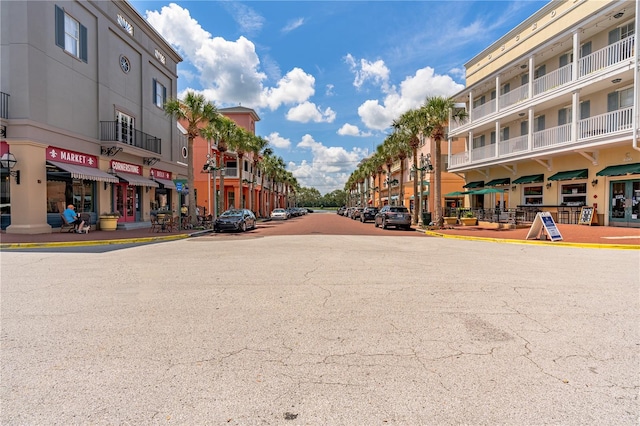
{"x":524,"y":79}
{"x":614,"y":35}
{"x":538,"y":124}
{"x":505,"y":134}
{"x":493,"y":138}
{"x":585,"y":110}
{"x":164,"y":96}
{"x":524,"y":128}
{"x":564,"y":60}
{"x":506,"y":88}
{"x":540,"y":71}
{"x":155,"y":92}
{"x":59,"y":27}
{"x":83,"y":43}
{"x":562,"y":116}
{"x":493,"y":94}
{"x":612,"y":101}
{"x":585,"y":49}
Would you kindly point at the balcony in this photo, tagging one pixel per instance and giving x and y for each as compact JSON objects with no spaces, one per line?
{"x":611,"y":123}
{"x":4,"y":105}
{"x":610,"y":55}
{"x":115,"y":131}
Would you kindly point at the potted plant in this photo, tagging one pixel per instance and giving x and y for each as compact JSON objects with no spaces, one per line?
{"x":469,"y":219}
{"x":109,"y":221}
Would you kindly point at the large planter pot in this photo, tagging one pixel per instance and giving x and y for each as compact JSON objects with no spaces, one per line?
{"x":450,"y":220}
{"x":469,"y":221}
{"x":108,"y":223}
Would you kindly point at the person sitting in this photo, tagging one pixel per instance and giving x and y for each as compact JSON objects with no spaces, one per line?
{"x":73,"y":218}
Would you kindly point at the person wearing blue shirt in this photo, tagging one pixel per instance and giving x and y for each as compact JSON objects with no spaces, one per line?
{"x":73,"y":218}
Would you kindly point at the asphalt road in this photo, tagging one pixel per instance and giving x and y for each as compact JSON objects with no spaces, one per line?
{"x":330,"y":328}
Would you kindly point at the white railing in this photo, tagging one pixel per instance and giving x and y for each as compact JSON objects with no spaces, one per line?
{"x":459,"y":159}
{"x":231,"y":172}
{"x":454,"y":124}
{"x":552,"y":80}
{"x":514,"y":96}
{"x":484,"y":109}
{"x":610,"y":55}
{"x":551,"y":137}
{"x":513,"y":145}
{"x":605,"y":123}
{"x":484,"y":152}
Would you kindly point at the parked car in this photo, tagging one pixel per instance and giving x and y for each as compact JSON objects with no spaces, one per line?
{"x":397,"y":216}
{"x":235,"y":220}
{"x":355,"y":213}
{"x":368,"y":213}
{"x":341,"y":210}
{"x":279,"y":214}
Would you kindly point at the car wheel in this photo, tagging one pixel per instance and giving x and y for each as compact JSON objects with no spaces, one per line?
{"x":243,"y":226}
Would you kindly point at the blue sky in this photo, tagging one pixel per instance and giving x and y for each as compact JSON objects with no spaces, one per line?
{"x":328,"y":77}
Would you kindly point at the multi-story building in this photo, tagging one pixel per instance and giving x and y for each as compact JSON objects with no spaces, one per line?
{"x":83,"y":86}
{"x":553,"y":114}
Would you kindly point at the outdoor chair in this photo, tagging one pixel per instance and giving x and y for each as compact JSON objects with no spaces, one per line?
{"x":70,"y":227}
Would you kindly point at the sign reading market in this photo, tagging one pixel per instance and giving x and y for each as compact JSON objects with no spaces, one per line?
{"x":72,"y":157}
{"x":119,"y":166}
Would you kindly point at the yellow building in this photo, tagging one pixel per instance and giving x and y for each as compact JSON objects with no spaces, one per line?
{"x":553,"y":115}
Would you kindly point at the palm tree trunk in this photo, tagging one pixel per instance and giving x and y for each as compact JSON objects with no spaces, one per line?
{"x":416,"y":176}
{"x":437,"y":190}
{"x":190,"y":178}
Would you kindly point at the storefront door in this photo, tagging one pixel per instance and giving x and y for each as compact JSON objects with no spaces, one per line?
{"x":127,"y":201}
{"x":625,"y":203}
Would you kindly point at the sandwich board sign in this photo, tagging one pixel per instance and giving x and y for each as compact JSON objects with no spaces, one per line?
{"x":544,"y":221}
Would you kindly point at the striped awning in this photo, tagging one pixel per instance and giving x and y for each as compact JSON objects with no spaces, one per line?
{"x":166,"y":183}
{"x":137,"y":180}
{"x":82,"y":172}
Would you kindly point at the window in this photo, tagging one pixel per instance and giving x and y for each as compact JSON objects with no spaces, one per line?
{"x":61,"y":192}
{"x":478,"y":141}
{"x":125,"y":125}
{"x":504,"y":134}
{"x":564,"y":116}
{"x":620,"y":99}
{"x":574,"y":194}
{"x":159,"y":94}
{"x":533,"y":194}
{"x":71,"y":35}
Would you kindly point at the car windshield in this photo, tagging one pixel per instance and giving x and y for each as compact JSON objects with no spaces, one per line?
{"x":232,"y":213}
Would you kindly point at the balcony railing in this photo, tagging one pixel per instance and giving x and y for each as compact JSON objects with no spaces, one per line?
{"x":551,"y":137}
{"x":483,"y":152}
{"x":454,"y":124}
{"x":553,"y":79}
{"x":514,"y":96}
{"x":484,"y":109}
{"x":610,"y":55}
{"x":602,"y":124}
{"x":4,"y":105}
{"x":115,"y":131}
{"x":513,"y":145}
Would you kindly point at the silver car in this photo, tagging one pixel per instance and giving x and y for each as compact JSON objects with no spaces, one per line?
{"x":397,"y":216}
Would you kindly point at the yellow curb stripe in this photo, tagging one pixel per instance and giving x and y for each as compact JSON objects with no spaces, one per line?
{"x":13,"y":246}
{"x":535,"y":242}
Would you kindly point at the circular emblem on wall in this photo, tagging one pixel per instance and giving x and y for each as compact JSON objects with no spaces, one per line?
{"x":184,"y":152}
{"x":125,"y":65}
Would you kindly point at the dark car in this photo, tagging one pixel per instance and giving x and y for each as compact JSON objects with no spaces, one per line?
{"x":369,"y":213}
{"x":235,"y":220}
{"x":397,"y":216}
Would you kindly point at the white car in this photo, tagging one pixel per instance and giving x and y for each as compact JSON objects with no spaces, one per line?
{"x":279,"y":214}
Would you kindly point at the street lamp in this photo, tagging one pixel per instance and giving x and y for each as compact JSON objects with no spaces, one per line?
{"x":211,"y":168}
{"x":8,"y":161}
{"x":425,"y":165}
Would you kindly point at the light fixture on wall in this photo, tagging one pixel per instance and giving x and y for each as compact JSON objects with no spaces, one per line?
{"x":8,"y":161}
{"x":548,"y":185}
{"x":521,"y":114}
{"x":523,"y":66}
{"x":594,"y":182}
{"x":618,"y":15}
{"x":616,"y":80}
{"x":513,"y":188}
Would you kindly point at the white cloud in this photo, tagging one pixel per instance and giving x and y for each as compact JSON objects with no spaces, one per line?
{"x":278,"y":141}
{"x":249,"y":21}
{"x":295,"y":87}
{"x":308,"y":111}
{"x":413,"y":92}
{"x":351,"y":130}
{"x":330,"y":167}
{"x":377,"y":72}
{"x":292,"y":25}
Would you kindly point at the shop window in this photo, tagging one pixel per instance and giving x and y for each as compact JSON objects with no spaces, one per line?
{"x":71,"y":35}
{"x":573,"y":194}
{"x":532,"y":194}
{"x":5,"y":193}
{"x":80,"y":193}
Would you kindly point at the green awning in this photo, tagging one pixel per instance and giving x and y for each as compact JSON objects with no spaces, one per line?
{"x":496,"y":182}
{"x":620,"y":170}
{"x":454,"y":194}
{"x":572,"y":174}
{"x":530,"y":179}
{"x":476,"y":184}
{"x":486,"y":191}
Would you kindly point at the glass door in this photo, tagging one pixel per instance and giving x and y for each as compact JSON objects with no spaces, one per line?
{"x":126,"y":201}
{"x":625,"y":203}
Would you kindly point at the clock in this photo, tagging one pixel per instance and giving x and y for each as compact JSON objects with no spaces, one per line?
{"x":125,"y":65}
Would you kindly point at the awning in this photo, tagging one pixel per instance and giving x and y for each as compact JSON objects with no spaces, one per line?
{"x":166,"y":183}
{"x":476,"y":184}
{"x":496,"y":182}
{"x":455,"y":194}
{"x":620,"y":170}
{"x":486,"y":191}
{"x":530,"y":179}
{"x":82,"y":172}
{"x":137,"y":180}
{"x":573,"y":174}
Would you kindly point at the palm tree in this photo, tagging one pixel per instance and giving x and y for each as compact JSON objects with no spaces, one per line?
{"x":411,"y":124}
{"x":240,"y":144}
{"x":197,"y":113}
{"x":227,"y":130}
{"x":266,"y":154}
{"x":385,"y":150}
{"x":400,"y":148}
{"x":437,"y":110}
{"x":258,"y":145}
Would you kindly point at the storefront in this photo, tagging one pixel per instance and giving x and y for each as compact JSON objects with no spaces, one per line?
{"x":128,"y":191}
{"x":624,"y":194}
{"x":73,"y":178}
{"x":163,"y":195}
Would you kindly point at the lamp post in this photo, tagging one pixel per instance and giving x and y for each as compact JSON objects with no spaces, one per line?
{"x":211,"y":168}
{"x":425,"y":165}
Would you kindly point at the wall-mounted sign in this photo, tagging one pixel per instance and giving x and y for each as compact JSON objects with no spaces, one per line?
{"x":119,"y":166}
{"x":160,"y":174}
{"x":71,"y":157}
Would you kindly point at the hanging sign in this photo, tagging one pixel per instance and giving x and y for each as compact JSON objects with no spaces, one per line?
{"x":544,"y":222}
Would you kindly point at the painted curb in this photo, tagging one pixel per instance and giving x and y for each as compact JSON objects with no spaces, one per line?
{"x":17,"y":246}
